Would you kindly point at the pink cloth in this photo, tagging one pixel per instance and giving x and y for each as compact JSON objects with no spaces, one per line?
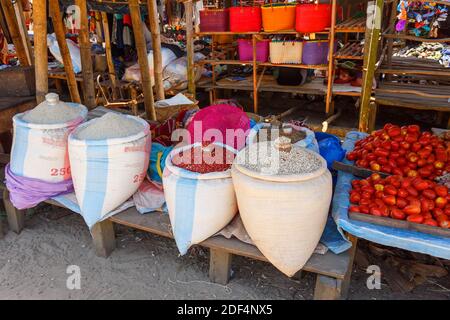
{"x":225,"y":119}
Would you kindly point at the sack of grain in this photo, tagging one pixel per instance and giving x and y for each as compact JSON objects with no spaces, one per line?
{"x":39,"y":147}
{"x":283,"y":194}
{"x":109,"y":158}
{"x":199,"y":204}
{"x":300,"y":136}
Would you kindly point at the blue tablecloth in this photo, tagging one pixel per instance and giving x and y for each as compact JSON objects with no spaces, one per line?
{"x":394,"y":237}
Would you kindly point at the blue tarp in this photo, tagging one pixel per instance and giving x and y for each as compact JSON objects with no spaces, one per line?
{"x":394,"y":237}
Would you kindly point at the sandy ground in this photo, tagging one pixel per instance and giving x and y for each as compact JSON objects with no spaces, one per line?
{"x":33,"y":265}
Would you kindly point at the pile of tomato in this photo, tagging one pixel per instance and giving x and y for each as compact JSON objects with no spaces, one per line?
{"x":403,"y":151}
{"x":404,"y":198}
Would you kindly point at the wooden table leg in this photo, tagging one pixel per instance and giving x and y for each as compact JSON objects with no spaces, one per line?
{"x":219,"y":266}
{"x":103,"y":238}
{"x":328,"y":288}
{"x":16,"y":218}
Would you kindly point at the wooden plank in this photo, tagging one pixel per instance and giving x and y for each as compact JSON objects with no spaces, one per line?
{"x":103,"y":238}
{"x":62,"y":44}
{"x":327,"y":288}
{"x":329,"y":105}
{"x":328,"y":264}
{"x":16,"y":218}
{"x":40,"y":48}
{"x":219,"y":266}
{"x":23,"y":31}
{"x":109,"y":58}
{"x":189,"y":11}
{"x":414,"y":38}
{"x":370,"y":58}
{"x":156,"y":46}
{"x":356,"y":171}
{"x":401,"y":224}
{"x":14,"y":30}
{"x":86,"y":58}
{"x":141,"y":49}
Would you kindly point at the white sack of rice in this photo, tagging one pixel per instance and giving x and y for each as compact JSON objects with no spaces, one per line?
{"x":109,"y":126}
{"x":52,"y":111}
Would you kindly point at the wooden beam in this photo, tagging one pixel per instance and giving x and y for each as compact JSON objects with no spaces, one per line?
{"x":14,"y":31}
{"x":329,"y":106}
{"x":3,"y":25}
{"x":103,"y":238}
{"x":16,"y":218}
{"x":55,"y":13}
{"x":141,"y":49}
{"x":86,"y":58}
{"x":23,"y":31}
{"x":189,"y":11}
{"x":40,"y":48}
{"x":219,"y":266}
{"x":373,"y":31}
{"x":109,"y":58}
{"x":98,"y":27}
{"x":156,"y":45}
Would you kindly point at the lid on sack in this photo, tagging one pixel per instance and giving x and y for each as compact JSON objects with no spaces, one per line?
{"x":54,"y":111}
{"x":279,"y":160}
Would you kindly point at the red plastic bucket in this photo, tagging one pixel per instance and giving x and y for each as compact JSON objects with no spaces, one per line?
{"x":312,"y":17}
{"x":213,"y":20}
{"x":245,"y":19}
{"x":245,"y":49}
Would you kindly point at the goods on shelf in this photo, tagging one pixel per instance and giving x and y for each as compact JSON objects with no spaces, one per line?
{"x":39,"y":147}
{"x":287,"y":52}
{"x":404,"y":151}
{"x":315,"y":52}
{"x":245,"y":19}
{"x":312,"y":17}
{"x":427,"y":50}
{"x":199,"y":204}
{"x":289,"y":238}
{"x":245,"y":49}
{"x":108,"y":171}
{"x":404,"y":198}
{"x":278,"y":17}
{"x":214,"y":20}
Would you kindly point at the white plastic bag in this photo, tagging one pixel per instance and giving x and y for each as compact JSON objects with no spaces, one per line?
{"x":200,"y":205}
{"x":106,"y":173}
{"x":74,"y":50}
{"x":39,"y":151}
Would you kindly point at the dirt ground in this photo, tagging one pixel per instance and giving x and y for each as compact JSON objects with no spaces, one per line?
{"x":33,"y":265}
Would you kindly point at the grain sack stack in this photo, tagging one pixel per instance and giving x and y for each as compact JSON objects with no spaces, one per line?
{"x":109,"y":157}
{"x":199,"y":191}
{"x":277,"y":185}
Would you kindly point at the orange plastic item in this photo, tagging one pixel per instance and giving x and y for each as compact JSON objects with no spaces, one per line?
{"x":278,"y":17}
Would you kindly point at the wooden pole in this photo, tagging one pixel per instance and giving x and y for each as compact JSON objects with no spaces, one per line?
{"x":189,"y":11}
{"x":255,"y":75}
{"x":109,"y":58}
{"x":14,"y":31}
{"x":98,"y":27}
{"x":40,"y":48}
{"x":23,"y":31}
{"x":329,"y":106}
{"x":86,"y":58}
{"x":156,"y":44}
{"x":3,"y":25}
{"x":142,"y":59}
{"x":65,"y":53}
{"x":373,"y":31}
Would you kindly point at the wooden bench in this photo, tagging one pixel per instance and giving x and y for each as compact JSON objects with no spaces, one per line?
{"x":333,"y":271}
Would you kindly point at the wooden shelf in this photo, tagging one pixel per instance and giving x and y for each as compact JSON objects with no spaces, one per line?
{"x":220,"y":33}
{"x":435,"y":1}
{"x":299,"y":66}
{"x":266,"y":64}
{"x":351,"y":51}
{"x":268,"y":83}
{"x":352,"y":25}
{"x":414,"y":38}
{"x":414,"y":66}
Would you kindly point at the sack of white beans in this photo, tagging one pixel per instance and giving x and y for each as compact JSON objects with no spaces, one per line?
{"x":109,"y":158}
